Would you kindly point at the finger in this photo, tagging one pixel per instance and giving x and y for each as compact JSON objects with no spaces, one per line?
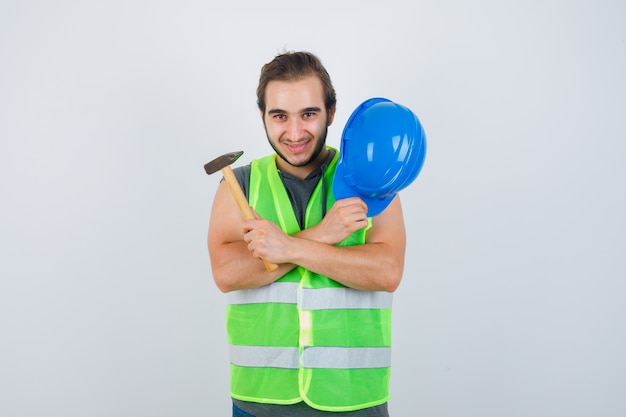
{"x":246,"y":226}
{"x":363,"y":204}
{"x":356,"y":201}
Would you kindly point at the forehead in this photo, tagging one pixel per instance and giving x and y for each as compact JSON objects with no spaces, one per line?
{"x":294,"y":95}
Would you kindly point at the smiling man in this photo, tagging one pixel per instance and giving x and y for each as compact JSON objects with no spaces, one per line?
{"x":313,"y":337}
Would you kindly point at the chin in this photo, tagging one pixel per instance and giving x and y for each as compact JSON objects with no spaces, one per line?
{"x":299,"y":161}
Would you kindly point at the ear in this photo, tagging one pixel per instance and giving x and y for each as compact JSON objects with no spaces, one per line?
{"x":331,"y":115}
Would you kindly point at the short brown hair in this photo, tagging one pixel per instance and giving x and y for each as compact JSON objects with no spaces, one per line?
{"x":293,"y":66}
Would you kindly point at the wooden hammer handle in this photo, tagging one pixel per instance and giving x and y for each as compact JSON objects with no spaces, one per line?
{"x":244,"y":207}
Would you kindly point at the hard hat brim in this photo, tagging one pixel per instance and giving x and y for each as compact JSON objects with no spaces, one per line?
{"x":341,"y":190}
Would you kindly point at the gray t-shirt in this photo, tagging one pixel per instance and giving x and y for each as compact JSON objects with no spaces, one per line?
{"x":299,"y":192}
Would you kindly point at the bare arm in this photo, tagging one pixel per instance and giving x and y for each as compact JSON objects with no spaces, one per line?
{"x":235,"y":247}
{"x":233,"y":265}
{"x":376,"y":265}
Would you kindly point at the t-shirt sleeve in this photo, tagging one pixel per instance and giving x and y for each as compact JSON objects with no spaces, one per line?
{"x":242,"y":173}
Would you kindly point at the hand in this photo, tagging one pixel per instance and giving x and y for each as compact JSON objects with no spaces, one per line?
{"x":344,"y":218}
{"x":266,"y":240}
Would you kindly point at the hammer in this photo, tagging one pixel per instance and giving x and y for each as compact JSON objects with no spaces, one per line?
{"x":223,"y":163}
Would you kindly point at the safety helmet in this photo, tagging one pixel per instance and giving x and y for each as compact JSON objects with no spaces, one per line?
{"x":383,"y":146}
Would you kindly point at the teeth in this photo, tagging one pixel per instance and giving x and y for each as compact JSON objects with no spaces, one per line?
{"x":296,"y":146}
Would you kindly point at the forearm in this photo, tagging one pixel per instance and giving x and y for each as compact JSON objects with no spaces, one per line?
{"x":234,"y":268}
{"x":367,"y":267}
{"x":376,"y":265}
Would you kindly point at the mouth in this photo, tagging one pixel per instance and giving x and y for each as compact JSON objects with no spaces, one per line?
{"x":296,"y":147}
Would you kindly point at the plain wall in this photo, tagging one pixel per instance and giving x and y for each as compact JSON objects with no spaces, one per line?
{"x":512,"y":303}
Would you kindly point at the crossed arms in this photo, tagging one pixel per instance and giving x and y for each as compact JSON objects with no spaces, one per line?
{"x":236,"y":246}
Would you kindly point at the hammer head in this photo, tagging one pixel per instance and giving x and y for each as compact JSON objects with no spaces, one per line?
{"x":221,"y":161}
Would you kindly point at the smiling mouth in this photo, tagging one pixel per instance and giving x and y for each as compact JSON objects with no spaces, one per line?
{"x":296,"y":147}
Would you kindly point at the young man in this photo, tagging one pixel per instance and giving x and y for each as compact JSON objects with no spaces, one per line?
{"x":313,"y":336}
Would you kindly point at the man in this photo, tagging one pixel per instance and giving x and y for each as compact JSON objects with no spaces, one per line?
{"x":311,"y":338}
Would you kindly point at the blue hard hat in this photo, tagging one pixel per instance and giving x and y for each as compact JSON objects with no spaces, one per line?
{"x":383,"y":147}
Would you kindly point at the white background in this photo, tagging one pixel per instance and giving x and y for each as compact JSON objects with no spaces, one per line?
{"x":513,"y":299}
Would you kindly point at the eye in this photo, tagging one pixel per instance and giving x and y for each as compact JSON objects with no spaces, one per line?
{"x":279,"y":116}
{"x":308,"y":114}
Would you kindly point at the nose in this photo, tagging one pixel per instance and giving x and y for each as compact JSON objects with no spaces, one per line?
{"x":295,"y":129}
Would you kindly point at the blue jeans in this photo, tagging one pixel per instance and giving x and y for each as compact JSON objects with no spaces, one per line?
{"x":380,"y":410}
{"x":238,"y":412}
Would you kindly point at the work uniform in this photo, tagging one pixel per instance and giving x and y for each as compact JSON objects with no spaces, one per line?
{"x":306,"y":340}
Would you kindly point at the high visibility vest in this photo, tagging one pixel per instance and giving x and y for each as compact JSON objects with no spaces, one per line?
{"x":306,"y":337}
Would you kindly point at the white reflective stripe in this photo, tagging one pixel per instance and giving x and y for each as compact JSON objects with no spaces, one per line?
{"x":346,"y":358}
{"x":336,"y":298}
{"x":312,"y":298}
{"x":278,"y":292}
{"x":313,"y":357}
{"x":264,"y":357}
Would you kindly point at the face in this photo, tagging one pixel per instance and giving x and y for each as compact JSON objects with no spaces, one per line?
{"x":296,"y":123}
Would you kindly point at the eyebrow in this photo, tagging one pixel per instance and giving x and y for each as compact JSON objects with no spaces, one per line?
{"x":305,"y":110}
